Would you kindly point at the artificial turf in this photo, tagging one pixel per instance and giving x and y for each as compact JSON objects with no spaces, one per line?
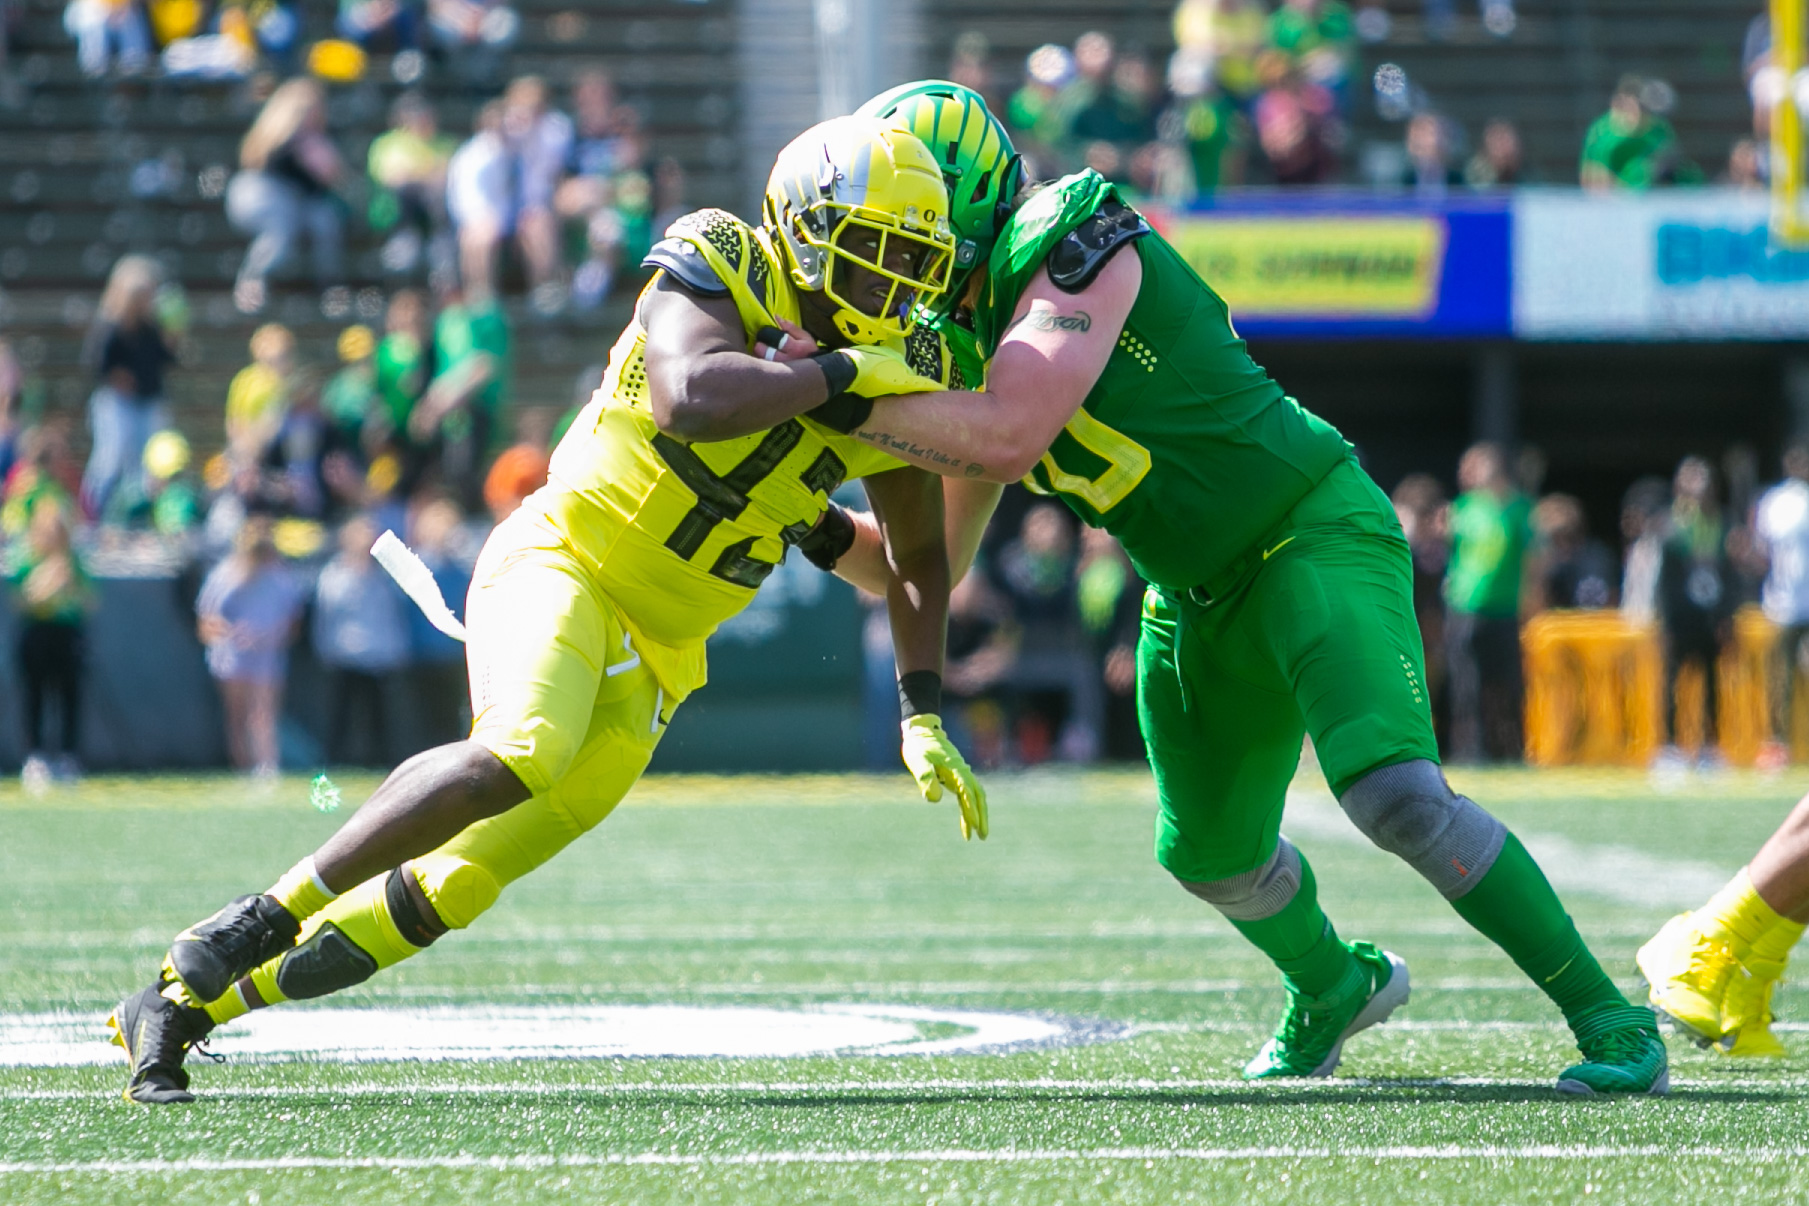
{"x":793,"y":892}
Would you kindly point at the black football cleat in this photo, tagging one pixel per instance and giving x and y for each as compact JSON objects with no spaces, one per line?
{"x":210,"y":956}
{"x":157,"y":1034}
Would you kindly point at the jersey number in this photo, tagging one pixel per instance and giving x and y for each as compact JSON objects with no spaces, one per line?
{"x":1128,"y":463}
{"x":725,"y":497}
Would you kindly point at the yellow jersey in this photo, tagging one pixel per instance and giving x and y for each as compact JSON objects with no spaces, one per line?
{"x":680,"y":535}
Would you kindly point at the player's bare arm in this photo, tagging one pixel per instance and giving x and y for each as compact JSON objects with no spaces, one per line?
{"x":907,"y":512}
{"x":703,"y":383}
{"x":967,"y":507}
{"x":1047,"y":363}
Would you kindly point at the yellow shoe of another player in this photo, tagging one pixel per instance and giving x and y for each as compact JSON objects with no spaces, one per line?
{"x":1689,"y":974}
{"x":1746,"y":1012}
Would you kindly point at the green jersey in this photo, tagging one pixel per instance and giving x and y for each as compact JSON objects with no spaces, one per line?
{"x":1185,"y":449}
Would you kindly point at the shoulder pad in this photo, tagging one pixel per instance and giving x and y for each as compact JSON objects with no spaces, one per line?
{"x":1086,"y":249}
{"x":681,"y":261}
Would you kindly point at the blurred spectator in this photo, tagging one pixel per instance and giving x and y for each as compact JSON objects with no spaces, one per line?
{"x":1500,"y":161}
{"x":351,"y":394}
{"x":1574,"y":570}
{"x":1055,"y":682}
{"x":361,"y":637}
{"x":248,"y":611}
{"x":1631,"y":146}
{"x":1431,"y":156}
{"x":167,"y":499}
{"x":1294,"y":125}
{"x":1111,"y":606}
{"x":295,"y":474}
{"x":669,"y":199}
{"x":1491,"y":531}
{"x":129,"y":350}
{"x":407,"y":165}
{"x":1224,"y":39}
{"x":46,"y":471}
{"x":982,"y":648}
{"x":1207,"y":123}
{"x":540,"y":141}
{"x":1644,"y":519}
{"x":388,"y":25}
{"x":437,"y":684}
{"x":404,"y":365}
{"x":458,"y":414}
{"x":104,"y":29}
{"x":1031,"y":112}
{"x":1695,"y":607}
{"x":480,"y":199}
{"x":12,"y":405}
{"x":1746,"y":165}
{"x":258,"y":396}
{"x":1094,"y":58}
{"x":521,"y":468}
{"x":1781,"y":524}
{"x":970,"y":65}
{"x":1420,"y":504}
{"x":606,"y":178}
{"x":288,"y":169}
{"x":55,"y":596}
{"x":1124,"y":111}
{"x":1318,"y":39}
{"x":474,"y":35}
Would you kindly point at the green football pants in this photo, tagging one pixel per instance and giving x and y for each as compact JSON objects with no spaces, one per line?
{"x":1316,"y":636}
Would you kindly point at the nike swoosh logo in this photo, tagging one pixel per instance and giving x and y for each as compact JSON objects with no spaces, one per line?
{"x":1561,"y":970}
{"x":1271,"y":552}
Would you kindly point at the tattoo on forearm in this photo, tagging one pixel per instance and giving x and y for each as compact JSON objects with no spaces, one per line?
{"x":1049,"y":320}
{"x":919,"y":452}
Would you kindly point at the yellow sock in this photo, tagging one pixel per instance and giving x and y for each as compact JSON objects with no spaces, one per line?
{"x":1738,"y":915}
{"x":302,"y":891}
{"x":1774,"y":944}
{"x":228,"y":1007}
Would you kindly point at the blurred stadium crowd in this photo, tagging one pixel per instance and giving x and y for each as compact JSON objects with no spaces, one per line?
{"x":411,"y":425}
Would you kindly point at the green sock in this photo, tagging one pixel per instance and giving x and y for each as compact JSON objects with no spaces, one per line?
{"x":1301,"y":942}
{"x":1515,"y":908}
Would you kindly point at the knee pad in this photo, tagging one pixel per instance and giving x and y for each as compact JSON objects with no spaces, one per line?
{"x":325,"y":963}
{"x":1409,"y":810}
{"x":1255,"y":894}
{"x":458,"y":891}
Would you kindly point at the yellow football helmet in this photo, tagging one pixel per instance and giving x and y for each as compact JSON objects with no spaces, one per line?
{"x":862,"y":192}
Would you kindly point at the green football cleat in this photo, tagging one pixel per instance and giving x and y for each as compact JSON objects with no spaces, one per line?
{"x":210,"y":955}
{"x":1314,"y":1029}
{"x":157,"y":1034}
{"x":1622,"y":1053}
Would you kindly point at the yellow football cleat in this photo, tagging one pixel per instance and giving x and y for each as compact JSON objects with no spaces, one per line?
{"x":1746,"y":1012}
{"x":1689,"y":974}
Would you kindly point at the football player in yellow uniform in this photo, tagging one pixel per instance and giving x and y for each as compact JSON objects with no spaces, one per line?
{"x":710,"y":449}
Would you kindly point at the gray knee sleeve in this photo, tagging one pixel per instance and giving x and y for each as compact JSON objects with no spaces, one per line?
{"x":1256,"y":894}
{"x":1408,"y":810}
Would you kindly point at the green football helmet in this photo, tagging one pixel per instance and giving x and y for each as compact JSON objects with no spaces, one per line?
{"x":982,"y":169}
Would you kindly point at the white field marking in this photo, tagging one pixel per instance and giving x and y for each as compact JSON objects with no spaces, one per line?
{"x":954,"y":1087}
{"x":931,"y":988}
{"x":1538,"y":1151}
{"x":1618,"y":873}
{"x":493,"y":1032}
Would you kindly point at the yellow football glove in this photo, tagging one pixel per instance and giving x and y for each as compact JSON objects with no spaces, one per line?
{"x":935,"y":763}
{"x":881,"y":371}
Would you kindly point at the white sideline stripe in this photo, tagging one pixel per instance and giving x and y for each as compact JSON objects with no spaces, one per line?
{"x":934,"y":1156}
{"x":1619,"y":873}
{"x":1330,"y":1085}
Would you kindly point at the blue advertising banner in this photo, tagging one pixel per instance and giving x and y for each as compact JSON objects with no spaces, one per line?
{"x":1346,"y":266}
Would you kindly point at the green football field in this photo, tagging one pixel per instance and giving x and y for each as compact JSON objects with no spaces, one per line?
{"x":1042,"y":1018}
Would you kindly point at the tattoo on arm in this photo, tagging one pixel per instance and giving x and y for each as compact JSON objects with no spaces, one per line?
{"x":912,"y":450}
{"x":1044,"y":318}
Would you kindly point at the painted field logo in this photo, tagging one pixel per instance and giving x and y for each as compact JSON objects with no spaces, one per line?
{"x":495,"y":1032}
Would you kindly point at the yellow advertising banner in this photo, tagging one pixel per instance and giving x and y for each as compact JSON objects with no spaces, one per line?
{"x":1343,"y":267}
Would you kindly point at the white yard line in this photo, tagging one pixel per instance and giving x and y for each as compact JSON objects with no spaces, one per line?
{"x":1553,"y":1152}
{"x":1618,"y":873}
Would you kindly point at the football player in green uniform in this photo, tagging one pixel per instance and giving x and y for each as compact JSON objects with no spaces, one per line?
{"x":1280,"y":592}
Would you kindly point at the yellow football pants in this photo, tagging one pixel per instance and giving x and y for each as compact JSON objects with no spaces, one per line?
{"x":560,"y":696}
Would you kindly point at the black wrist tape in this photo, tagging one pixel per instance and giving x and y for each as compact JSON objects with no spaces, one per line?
{"x":838,"y":370}
{"x":842,"y":413}
{"x":833,"y":536}
{"x":920,"y":691}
